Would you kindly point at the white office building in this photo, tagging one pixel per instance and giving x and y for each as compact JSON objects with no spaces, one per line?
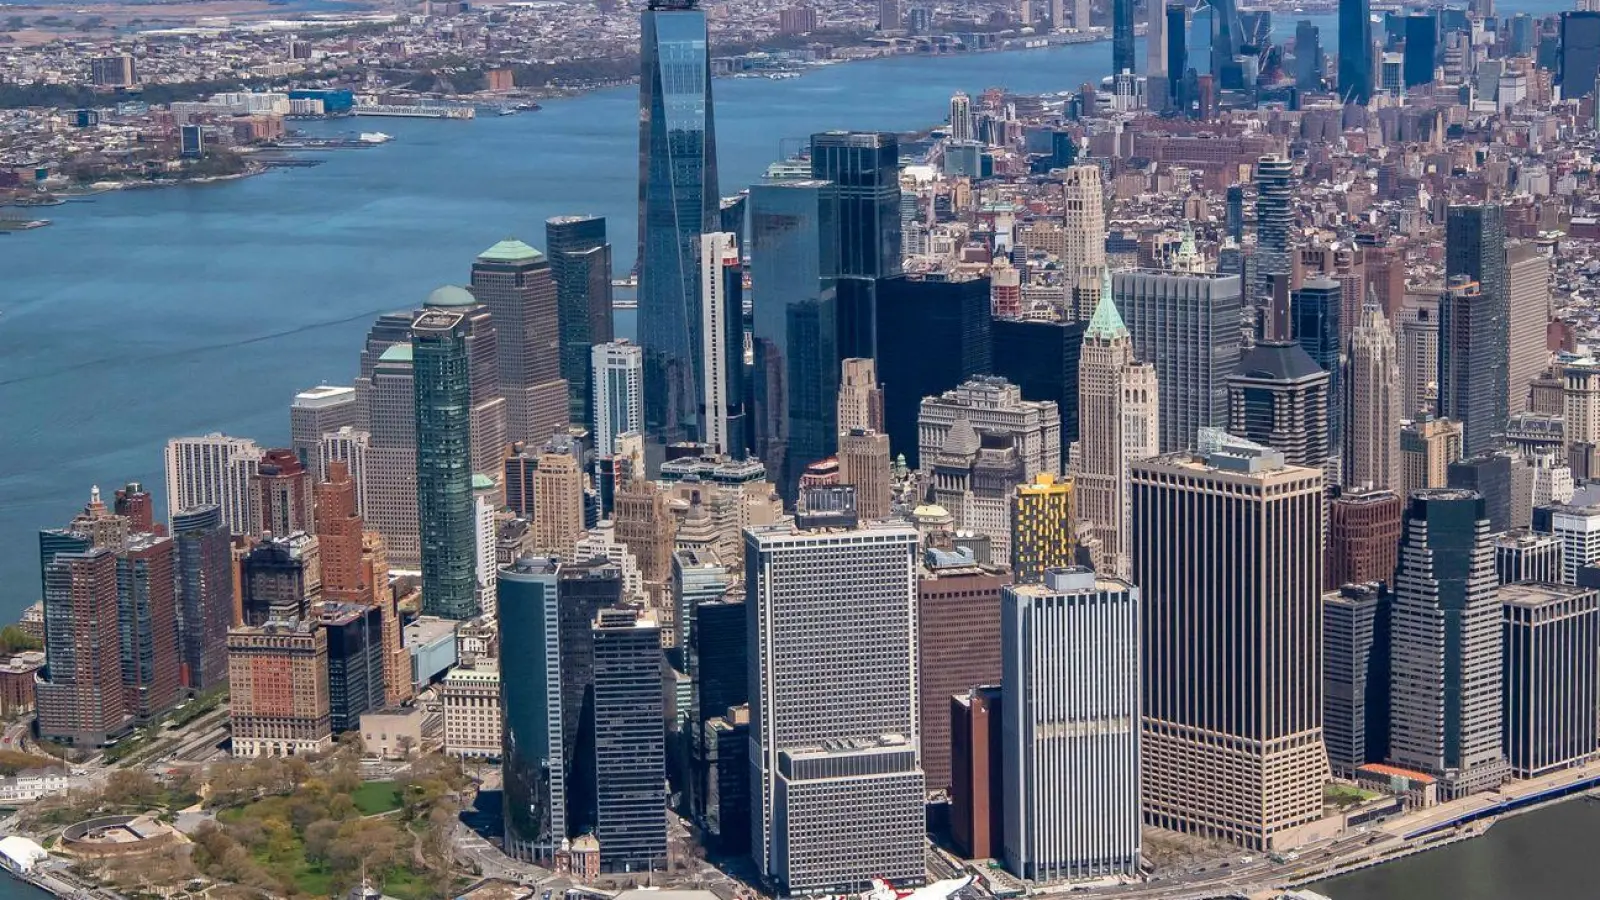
{"x":721,"y":324}
{"x":1578,"y":529}
{"x":214,"y":469}
{"x":618,"y":393}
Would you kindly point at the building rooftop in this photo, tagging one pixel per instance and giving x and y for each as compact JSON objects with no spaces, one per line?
{"x":324,"y":395}
{"x":428,"y":630}
{"x":1278,"y":361}
{"x":1531,"y":594}
{"x":508,"y":250}
{"x":452,"y":296}
{"x":396,"y":353}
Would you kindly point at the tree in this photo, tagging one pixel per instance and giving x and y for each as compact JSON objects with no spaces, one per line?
{"x":12,"y":638}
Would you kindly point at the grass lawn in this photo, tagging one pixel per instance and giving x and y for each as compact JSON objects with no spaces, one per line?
{"x":375,"y":797}
{"x":1346,"y":795}
{"x":315,"y":879}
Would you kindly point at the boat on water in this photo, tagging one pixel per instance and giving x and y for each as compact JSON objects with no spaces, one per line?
{"x":375,"y":137}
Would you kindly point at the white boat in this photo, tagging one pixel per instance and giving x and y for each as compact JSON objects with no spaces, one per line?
{"x":375,"y":137}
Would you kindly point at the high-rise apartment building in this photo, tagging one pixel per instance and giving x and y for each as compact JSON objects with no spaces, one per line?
{"x":1355,"y":679}
{"x":721,"y":322}
{"x":1551,"y":644}
{"x":580,"y":266}
{"x":1279,"y":398}
{"x":80,"y":693}
{"x":842,"y":601}
{"x":534,"y":758}
{"x":1372,"y":405}
{"x":1189,"y":325}
{"x":1083,"y":227}
{"x":864,"y":170}
{"x":618,"y":379}
{"x":213,"y":470}
{"x":993,"y":405}
{"x":630,"y":765}
{"x":355,"y":569}
{"x":280,"y":494}
{"x":1043,"y":528}
{"x":442,"y":367}
{"x":516,"y":283}
{"x":1274,"y":220}
{"x":860,"y":395}
{"x":961,"y":130}
{"x":1210,"y":767}
{"x":678,"y":201}
{"x":1528,"y":310}
{"x":1445,"y":690}
{"x":1419,"y":361}
{"x":206,"y":595}
{"x":391,"y":477}
{"x":1363,"y":537}
{"x":958,"y":644}
{"x":1355,"y":51}
{"x":349,"y":448}
{"x":113,"y":71}
{"x":1118,"y":422}
{"x":1427,"y":448}
{"x":1070,"y":727}
{"x":558,"y":505}
{"x":864,"y":463}
{"x":1474,"y":327}
{"x":147,"y":612}
{"x":278,"y":689}
{"x":319,"y":411}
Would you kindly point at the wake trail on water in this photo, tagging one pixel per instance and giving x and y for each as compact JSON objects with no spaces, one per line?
{"x":191,"y":351}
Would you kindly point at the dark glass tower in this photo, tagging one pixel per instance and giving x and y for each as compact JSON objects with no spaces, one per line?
{"x":533,"y":750}
{"x":941,"y":331}
{"x":1355,"y":51}
{"x":1177,"y":55}
{"x":1042,"y":358}
{"x":443,"y":404}
{"x":1580,"y":53}
{"x":1315,"y":311}
{"x":865,"y":170}
{"x":1422,"y":44}
{"x":630,"y":762}
{"x":678,"y":201}
{"x":1274,"y":218}
{"x":205,"y":595}
{"x":1224,"y":36}
{"x":580,"y":265}
{"x":1307,"y":57}
{"x":1122,"y":36}
{"x":795,"y":377}
{"x":1474,"y":336}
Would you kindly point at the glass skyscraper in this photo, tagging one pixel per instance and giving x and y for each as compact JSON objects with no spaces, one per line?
{"x":678,"y":201}
{"x":1474,"y":341}
{"x":1355,"y":51}
{"x":1121,"y":36}
{"x":865,"y":170}
{"x":580,"y":265}
{"x":534,"y":745}
{"x":443,"y":404}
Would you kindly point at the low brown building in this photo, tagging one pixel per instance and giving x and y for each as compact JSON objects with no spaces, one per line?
{"x":977,"y":789}
{"x":16,"y":682}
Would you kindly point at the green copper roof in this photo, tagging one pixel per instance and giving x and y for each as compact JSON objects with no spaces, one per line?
{"x":396,"y":353}
{"x":511,"y":250}
{"x":482,"y":482}
{"x":451,"y":296}
{"x":1106,"y":322}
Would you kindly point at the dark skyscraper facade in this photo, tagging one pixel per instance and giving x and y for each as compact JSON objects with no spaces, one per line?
{"x":515,"y":281}
{"x":1224,"y":36}
{"x":1042,"y":358}
{"x":941,"y":338}
{"x":864,"y":168}
{"x":1474,"y":328}
{"x":1274,"y":219}
{"x":678,"y":201}
{"x":443,"y":405}
{"x":630,"y":763}
{"x":1355,"y":51}
{"x":1177,"y":55}
{"x":1307,"y":57}
{"x":1580,"y":53}
{"x":205,"y":595}
{"x":1122,"y":36}
{"x":80,"y":692}
{"x":533,"y":749}
{"x":1315,"y":312}
{"x":580,"y":265}
{"x":148,"y":626}
{"x":1422,"y":44}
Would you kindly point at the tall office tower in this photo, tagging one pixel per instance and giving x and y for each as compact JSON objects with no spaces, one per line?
{"x":280,"y":494}
{"x":1355,"y":676}
{"x":1578,"y":528}
{"x":80,"y":694}
{"x":355,"y":569}
{"x":1279,"y":398}
{"x":580,"y":266}
{"x":1475,"y":249}
{"x":480,"y":350}
{"x":1355,"y":51}
{"x":317,"y":412}
{"x":1119,"y":422}
{"x":355,"y":661}
{"x":864,"y":168}
{"x":618,"y":379}
{"x":1225,"y":38}
{"x":864,"y":463}
{"x":1043,"y":528}
{"x":486,"y":541}
{"x":1177,"y":37}
{"x":582,"y":591}
{"x":859,"y":624}
{"x":994,"y":406}
{"x":1363,"y":537}
{"x":1083,"y":226}
{"x":1551,"y":633}
{"x":148,"y":624}
{"x":348,"y":448}
{"x":1307,"y":57}
{"x":1372,"y":405}
{"x":649,"y":530}
{"x":1528,"y":280}
{"x":1155,"y":50}
{"x":279,"y":578}
{"x":960,"y":117}
{"x":531,"y":698}
{"x":678,"y":201}
{"x":134,"y":503}
{"x":958,"y":644}
{"x":795,"y":331}
{"x":942,"y":338}
{"x":278,"y":689}
{"x":391,"y":482}
{"x":1522,"y":555}
{"x":1580,"y":53}
{"x":977,"y":767}
{"x":1489,"y":475}
{"x":442,"y":377}
{"x":722,"y":344}
{"x":630,"y":764}
{"x":517,"y":284}
{"x":697,"y":577}
{"x":1081,"y":15}
{"x":973,"y":478}
{"x":1274,"y":221}
{"x":558,"y":505}
{"x":214,"y":469}
{"x":1122,"y":36}
{"x":205,"y":595}
{"x":1419,"y":361}
{"x":1070,"y":725}
{"x":1042,"y":358}
{"x":1237,"y":508}
{"x":1427,"y":448}
{"x":1422,"y":45}
{"x":1189,"y":325}
{"x":1234,"y":212}
{"x":860,"y":396}
{"x":734,"y":213}
{"x":1320,"y":330}
{"x":1445,"y":702}
{"x":388,"y":330}
{"x":1580,"y":405}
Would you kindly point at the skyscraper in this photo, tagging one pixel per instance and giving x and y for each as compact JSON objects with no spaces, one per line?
{"x":860,"y":396}
{"x":278,"y":689}
{"x":80,"y":691}
{"x":942,"y":338}
{"x":1528,"y":277}
{"x":392,"y":455}
{"x":1551,"y":633}
{"x":1363,"y":534}
{"x":1279,"y":398}
{"x":1188,"y":324}
{"x":1445,"y":700}
{"x":841,"y":601}
{"x":1355,"y":51}
{"x":355,"y":661}
{"x":148,"y":626}
{"x":351,"y":449}
{"x":630,"y":767}
{"x":1119,"y":422}
{"x":1177,"y":67}
{"x":558,"y":505}
{"x":864,"y":463}
{"x":960,"y":117}
{"x":535,"y":752}
{"x":317,"y":412}
{"x":1319,"y":329}
{"x":516,"y":282}
{"x":205,"y":595}
{"x":487,"y":410}
{"x":1427,"y":448}
{"x":280,"y":494}
{"x":1043,"y":359}
{"x":1355,"y":627}
{"x":996,"y":406}
{"x":355,"y":569}
{"x":864,"y":168}
{"x":958,"y":644}
{"x":1580,"y":53}
{"x":580,"y":266}
{"x":1122,"y":36}
{"x":1307,"y":57}
{"x":1422,"y":43}
{"x":678,"y":201}
{"x":1474,"y":335}
{"x":1274,"y":219}
{"x":1043,"y":528}
{"x":722,"y":413}
{"x":1155,"y":50}
{"x":1083,"y":226}
{"x":618,"y":379}
{"x":1070,"y":726}
{"x":1372,"y":405}
{"x":213,"y":470}
{"x":443,"y":408}
{"x":1234,"y":760}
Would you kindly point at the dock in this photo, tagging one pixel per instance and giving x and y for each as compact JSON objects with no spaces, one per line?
{"x":417,"y":112}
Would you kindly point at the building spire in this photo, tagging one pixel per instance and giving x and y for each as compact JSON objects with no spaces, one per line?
{"x":1107,"y":322}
